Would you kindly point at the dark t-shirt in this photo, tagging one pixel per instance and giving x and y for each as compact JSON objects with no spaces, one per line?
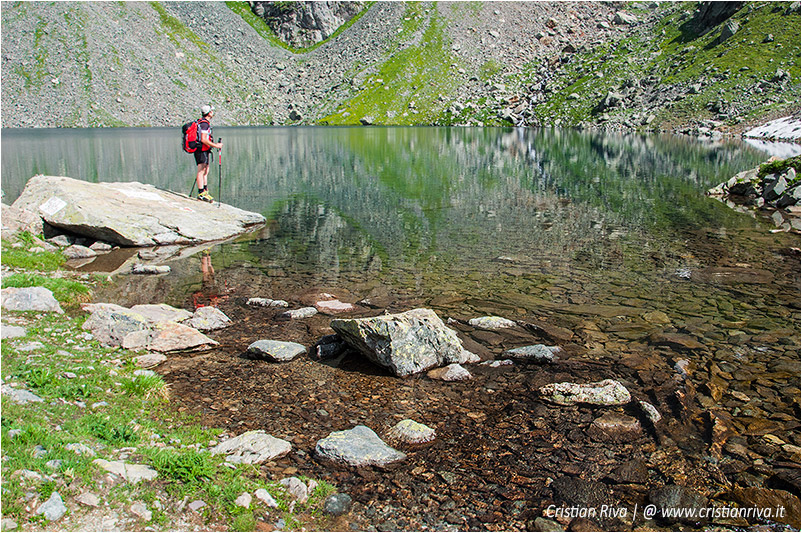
{"x":205,"y":127}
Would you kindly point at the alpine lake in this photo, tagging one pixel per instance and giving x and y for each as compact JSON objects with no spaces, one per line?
{"x":602,"y":244}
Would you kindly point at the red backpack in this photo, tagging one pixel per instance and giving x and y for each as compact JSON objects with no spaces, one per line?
{"x":191,"y":136}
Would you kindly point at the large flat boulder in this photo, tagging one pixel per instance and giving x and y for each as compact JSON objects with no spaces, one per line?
{"x":131,"y":214}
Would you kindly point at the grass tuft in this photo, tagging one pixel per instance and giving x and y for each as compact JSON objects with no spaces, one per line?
{"x":185,"y":466}
{"x":64,"y":290}
{"x":112,"y":432}
{"x":146,"y":387}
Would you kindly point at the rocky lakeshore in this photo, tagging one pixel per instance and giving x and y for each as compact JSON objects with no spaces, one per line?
{"x":535,"y":415}
{"x":772,"y":188}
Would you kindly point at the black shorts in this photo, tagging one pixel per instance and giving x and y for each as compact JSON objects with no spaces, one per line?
{"x":201,"y":157}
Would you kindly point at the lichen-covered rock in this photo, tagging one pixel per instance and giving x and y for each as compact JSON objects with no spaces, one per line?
{"x":411,"y":432}
{"x":132,"y":473}
{"x":161,"y":313}
{"x":20,"y":396}
{"x":53,"y":509}
{"x":150,"y":326}
{"x":167,"y":337}
{"x":406,"y":343}
{"x":607,"y":392}
{"x":111,"y":323}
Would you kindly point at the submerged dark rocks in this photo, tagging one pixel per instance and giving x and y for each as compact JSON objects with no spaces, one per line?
{"x":679,"y":504}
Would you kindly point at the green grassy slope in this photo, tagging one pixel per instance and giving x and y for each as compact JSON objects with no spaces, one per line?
{"x":736,"y":77}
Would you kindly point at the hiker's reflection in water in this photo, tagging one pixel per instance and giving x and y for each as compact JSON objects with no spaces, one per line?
{"x":207,"y":269}
{"x":210,"y":294}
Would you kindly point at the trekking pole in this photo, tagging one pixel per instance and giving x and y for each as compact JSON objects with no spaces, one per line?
{"x":219,"y":173}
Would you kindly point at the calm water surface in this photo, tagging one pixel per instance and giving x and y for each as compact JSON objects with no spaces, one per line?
{"x":585,"y":229}
{"x":434,"y":208}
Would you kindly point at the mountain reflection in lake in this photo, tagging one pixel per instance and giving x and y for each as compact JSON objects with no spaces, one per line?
{"x":608,"y":238}
{"x":425,"y":202}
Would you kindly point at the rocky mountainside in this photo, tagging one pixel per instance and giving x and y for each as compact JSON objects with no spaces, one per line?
{"x":303,"y":24}
{"x":686,"y":67}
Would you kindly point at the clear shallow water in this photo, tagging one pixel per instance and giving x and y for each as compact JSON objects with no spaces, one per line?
{"x":588,"y":231}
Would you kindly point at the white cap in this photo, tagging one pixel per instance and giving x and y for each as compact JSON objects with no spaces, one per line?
{"x":206,"y":109}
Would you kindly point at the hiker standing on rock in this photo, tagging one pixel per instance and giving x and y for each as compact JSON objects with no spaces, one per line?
{"x":202,"y":154}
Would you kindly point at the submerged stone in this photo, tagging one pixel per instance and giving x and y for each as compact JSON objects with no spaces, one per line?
{"x":334,"y":307}
{"x":276,"y":351}
{"x":452,"y":372}
{"x":607,"y":392}
{"x":267,"y":302}
{"x":337,"y":504}
{"x":491,"y":322}
{"x":539,"y":353}
{"x":615,"y":427}
{"x":675,"y":503}
{"x":763,"y":498}
{"x":359,"y":446}
{"x":297,"y":314}
{"x":650,"y":411}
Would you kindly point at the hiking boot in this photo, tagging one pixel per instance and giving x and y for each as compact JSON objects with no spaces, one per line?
{"x":205,"y":197}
